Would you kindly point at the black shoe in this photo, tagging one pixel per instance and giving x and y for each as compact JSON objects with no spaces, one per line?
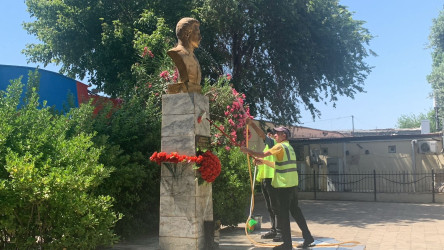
{"x":278,"y":238}
{"x":269,"y":235}
{"x":307,"y":243}
{"x":283,"y":247}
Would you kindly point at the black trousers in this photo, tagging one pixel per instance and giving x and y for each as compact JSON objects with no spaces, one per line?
{"x":288,"y":201}
{"x":271,"y":201}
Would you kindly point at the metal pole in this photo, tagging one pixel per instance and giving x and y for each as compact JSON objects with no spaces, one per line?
{"x":433,"y":186}
{"x":374,"y":183}
{"x":353,"y":125}
{"x":314,"y":182}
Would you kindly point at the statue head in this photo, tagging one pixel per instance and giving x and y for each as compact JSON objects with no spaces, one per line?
{"x":187,"y":31}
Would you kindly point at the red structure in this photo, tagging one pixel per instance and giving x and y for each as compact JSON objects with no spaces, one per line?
{"x":54,"y":88}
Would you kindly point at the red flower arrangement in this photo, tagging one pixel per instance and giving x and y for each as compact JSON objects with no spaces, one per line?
{"x":174,"y":157}
{"x":208,"y":164}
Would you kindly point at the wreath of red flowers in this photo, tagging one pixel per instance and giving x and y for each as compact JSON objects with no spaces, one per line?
{"x":208,"y":164}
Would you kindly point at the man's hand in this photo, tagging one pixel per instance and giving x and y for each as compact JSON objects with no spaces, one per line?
{"x":249,"y":121}
{"x":258,"y":161}
{"x":244,"y":150}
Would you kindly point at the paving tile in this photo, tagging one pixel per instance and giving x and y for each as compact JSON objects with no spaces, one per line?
{"x":375,"y":225}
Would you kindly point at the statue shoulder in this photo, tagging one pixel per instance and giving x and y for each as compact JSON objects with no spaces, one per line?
{"x":178,"y":50}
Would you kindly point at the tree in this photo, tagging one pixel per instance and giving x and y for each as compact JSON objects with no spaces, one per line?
{"x":436,"y":77}
{"x":284,"y":55}
{"x":101,"y":39}
{"x":414,"y":121}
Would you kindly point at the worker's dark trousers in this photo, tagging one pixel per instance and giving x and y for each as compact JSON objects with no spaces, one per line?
{"x":288,"y":202}
{"x":271,"y":202}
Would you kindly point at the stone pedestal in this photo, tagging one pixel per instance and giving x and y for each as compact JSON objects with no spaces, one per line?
{"x":184,"y":204}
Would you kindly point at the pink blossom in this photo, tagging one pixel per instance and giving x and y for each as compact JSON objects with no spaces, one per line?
{"x":227,"y":148}
{"x":149,"y":86}
{"x":240,"y":101}
{"x":165,"y":75}
{"x":235,"y":93}
{"x":234,"y":135}
{"x":226,"y":113}
{"x":145,"y":51}
{"x":222,"y":127}
{"x":157,"y":94}
{"x":150,"y":53}
{"x":229,"y":76}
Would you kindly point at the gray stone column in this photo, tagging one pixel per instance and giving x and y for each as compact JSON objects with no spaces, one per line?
{"x":184,"y":204}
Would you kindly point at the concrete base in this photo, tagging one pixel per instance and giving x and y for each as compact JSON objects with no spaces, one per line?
{"x":184,"y":204}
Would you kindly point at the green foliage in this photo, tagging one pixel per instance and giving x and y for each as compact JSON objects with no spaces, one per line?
{"x":49,"y":172}
{"x":286,"y":54}
{"x":302,"y":52}
{"x":225,"y":108}
{"x":414,"y":121}
{"x":220,"y":95}
{"x":232,"y":188}
{"x":95,"y":38}
{"x":436,"y":77}
{"x":129,"y":135}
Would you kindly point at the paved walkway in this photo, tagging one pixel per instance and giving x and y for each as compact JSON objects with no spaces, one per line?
{"x":375,"y":225}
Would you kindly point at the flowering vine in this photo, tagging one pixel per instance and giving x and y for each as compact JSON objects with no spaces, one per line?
{"x":224,"y":99}
{"x":148,"y":52}
{"x":171,"y":78}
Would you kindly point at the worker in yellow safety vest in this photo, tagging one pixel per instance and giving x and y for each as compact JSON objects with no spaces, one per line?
{"x":285,"y":181}
{"x":264,"y":177}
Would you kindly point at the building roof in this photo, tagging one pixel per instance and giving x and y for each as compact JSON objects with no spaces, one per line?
{"x":365,"y":138}
{"x":380,"y":132}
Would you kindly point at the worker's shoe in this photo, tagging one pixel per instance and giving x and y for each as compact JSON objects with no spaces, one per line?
{"x":269,"y":235}
{"x":278,"y":238}
{"x":307,"y":243}
{"x":283,"y":247}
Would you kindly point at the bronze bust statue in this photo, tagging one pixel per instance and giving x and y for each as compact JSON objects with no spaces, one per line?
{"x":188,"y":35}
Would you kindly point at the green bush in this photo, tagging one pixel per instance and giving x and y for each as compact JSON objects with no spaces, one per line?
{"x":231,"y":189}
{"x":129,"y":135}
{"x":49,"y":171}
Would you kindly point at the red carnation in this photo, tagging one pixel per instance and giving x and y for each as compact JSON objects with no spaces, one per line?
{"x":209,"y":164}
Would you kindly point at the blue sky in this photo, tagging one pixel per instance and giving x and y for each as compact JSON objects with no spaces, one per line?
{"x":396,"y":86}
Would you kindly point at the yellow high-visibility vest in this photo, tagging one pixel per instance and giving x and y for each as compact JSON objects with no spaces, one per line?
{"x":285,"y":174}
{"x":265,"y":171}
